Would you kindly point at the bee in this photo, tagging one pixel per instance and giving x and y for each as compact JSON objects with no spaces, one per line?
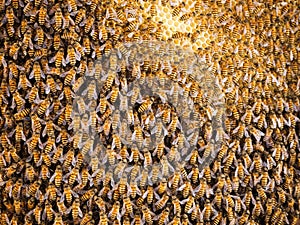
{"x":132,"y":26}
{"x":57,"y":176}
{"x":122,"y":50}
{"x":107,"y":49}
{"x":58,"y":20}
{"x":32,"y":95}
{"x":128,"y":205}
{"x":87,"y":218}
{"x":258,"y":209}
{"x":281,"y":195}
{"x":16,"y":190}
{"x":76,"y":211}
{"x":42,"y":14}
{"x":10,"y":17}
{"x":115,"y":211}
{"x":247,"y":118}
{"x":103,"y":218}
{"x":208,"y":210}
{"x":18,"y":100}
{"x":88,"y":195}
{"x":162,"y":202}
{"x":57,"y":154}
{"x":71,"y":56}
{"x":176,"y":11}
{"x":27,"y":41}
{"x":147,"y":158}
{"x":79,"y":49}
{"x":103,"y":34}
{"x":189,"y":204}
{"x":14,"y":69}
{"x":88,"y":24}
{"x":147,"y":214}
{"x":58,"y":58}
{"x":103,"y":102}
{"x":13,"y":51}
{"x":21,"y":114}
{"x":37,"y":72}
{"x":186,"y":188}
{"x":186,"y":16}
{"x":34,"y":188}
{"x":24,"y":83}
{"x":146,"y":104}
{"x":164,"y":216}
{"x":68,"y":112}
{"x":111,"y":155}
{"x":80,"y":15}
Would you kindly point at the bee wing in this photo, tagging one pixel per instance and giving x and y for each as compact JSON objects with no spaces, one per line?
{"x":52,"y":59}
{"x":4,"y":20}
{"x":236,"y":129}
{"x":58,"y":138}
{"x":44,"y":214}
{"x":258,"y":134}
{"x":77,"y":55}
{"x":31,"y":75}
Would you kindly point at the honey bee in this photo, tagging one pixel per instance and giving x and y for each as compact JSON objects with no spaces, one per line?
{"x":32,"y":95}
{"x":88,"y":195}
{"x":10,"y":17}
{"x":147,"y":158}
{"x":58,"y":20}
{"x":88,"y":24}
{"x":18,"y":100}
{"x":128,"y":205}
{"x":34,"y":188}
{"x":146,"y":104}
{"x":68,"y":112}
{"x":208,"y":210}
{"x":72,"y":56}
{"x":87,"y":218}
{"x":21,"y":114}
{"x":72,"y":5}
{"x":162,"y":202}
{"x":13,"y":52}
{"x":57,"y":177}
{"x":27,"y":41}
{"x":42,"y":14}
{"x":76,"y":211}
{"x":58,"y":58}
{"x":115,"y":211}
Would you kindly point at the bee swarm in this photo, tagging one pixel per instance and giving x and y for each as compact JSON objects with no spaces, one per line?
{"x":49,"y":48}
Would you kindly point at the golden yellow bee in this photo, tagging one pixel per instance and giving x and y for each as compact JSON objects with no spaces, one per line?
{"x":88,"y":195}
{"x":58,"y":58}
{"x":21,"y":114}
{"x":71,"y":56}
{"x":43,"y":107}
{"x":57,"y":176}
{"x":58,"y":19}
{"x":34,"y":188}
{"x":10,"y":17}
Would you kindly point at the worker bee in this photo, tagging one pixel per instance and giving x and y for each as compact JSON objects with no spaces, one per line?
{"x":57,"y":176}
{"x":72,"y":56}
{"x":42,"y":14}
{"x":128,"y":205}
{"x":146,"y":104}
{"x":115,"y":211}
{"x":61,"y":206}
{"x":208,"y":210}
{"x":10,"y":17}
{"x":58,"y":20}
{"x":162,"y":202}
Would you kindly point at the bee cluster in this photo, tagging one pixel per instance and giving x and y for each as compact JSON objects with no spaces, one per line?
{"x":52,"y":174}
